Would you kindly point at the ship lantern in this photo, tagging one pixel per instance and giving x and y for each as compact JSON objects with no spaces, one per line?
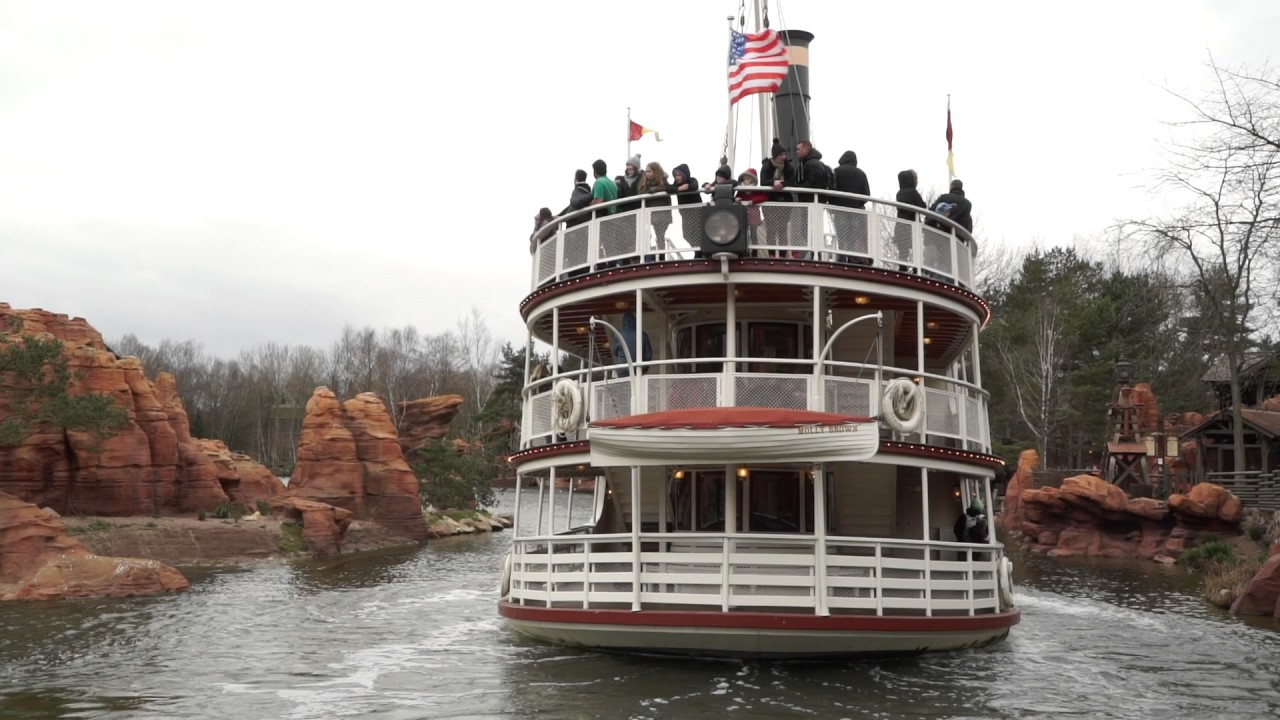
{"x":724,"y":225}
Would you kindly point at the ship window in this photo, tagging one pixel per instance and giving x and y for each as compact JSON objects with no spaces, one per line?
{"x":697,"y":501}
{"x":781,"y":340}
{"x":779,"y":502}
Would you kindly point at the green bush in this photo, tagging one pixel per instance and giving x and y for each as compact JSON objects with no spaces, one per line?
{"x":291,"y":540}
{"x":451,"y":479}
{"x":201,"y":516}
{"x":1211,"y":552}
{"x":229,"y":510}
{"x":1255,"y":532}
{"x":264,"y":507}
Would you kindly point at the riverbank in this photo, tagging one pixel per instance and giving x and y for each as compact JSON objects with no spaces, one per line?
{"x":187,"y":540}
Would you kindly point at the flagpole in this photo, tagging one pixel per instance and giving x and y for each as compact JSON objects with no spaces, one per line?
{"x":628,"y":155}
{"x":730,"y":141}
{"x":951,"y":165}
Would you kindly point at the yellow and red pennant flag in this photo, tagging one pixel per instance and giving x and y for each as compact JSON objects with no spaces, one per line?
{"x":638,"y":131}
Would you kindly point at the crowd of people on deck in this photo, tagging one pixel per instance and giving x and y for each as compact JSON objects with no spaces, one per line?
{"x":783,"y":177}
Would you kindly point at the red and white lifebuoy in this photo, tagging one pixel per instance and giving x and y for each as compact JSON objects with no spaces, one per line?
{"x":566,"y":407}
{"x":902,"y":406}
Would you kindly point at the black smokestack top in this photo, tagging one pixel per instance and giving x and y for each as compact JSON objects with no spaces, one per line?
{"x":791,"y":102}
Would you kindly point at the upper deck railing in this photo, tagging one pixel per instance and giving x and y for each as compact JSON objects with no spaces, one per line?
{"x":955,"y":411}
{"x":826,"y":230}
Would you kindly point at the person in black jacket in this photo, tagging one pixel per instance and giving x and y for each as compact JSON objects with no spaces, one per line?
{"x":778,"y":172}
{"x":851,"y":179}
{"x":579,"y":198}
{"x":685,"y":187}
{"x":907,"y":195}
{"x":955,"y":205}
{"x":629,"y":182}
{"x":654,"y":180}
{"x":851,"y":228}
{"x":811,"y":172}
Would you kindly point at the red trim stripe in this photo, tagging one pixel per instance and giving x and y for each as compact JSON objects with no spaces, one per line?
{"x":760,"y":621}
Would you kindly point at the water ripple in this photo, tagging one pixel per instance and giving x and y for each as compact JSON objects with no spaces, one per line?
{"x":413,"y":634}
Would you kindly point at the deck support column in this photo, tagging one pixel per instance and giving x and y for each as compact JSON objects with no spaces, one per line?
{"x":928,"y":550}
{"x":820,"y":539}
{"x":635,"y":538}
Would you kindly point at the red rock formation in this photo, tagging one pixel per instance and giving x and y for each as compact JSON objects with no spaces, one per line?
{"x":245,"y":480}
{"x":426,"y":419}
{"x":152,"y":465}
{"x":1089,"y":516}
{"x":328,"y":468}
{"x":349,"y":457}
{"x":1262,"y":595}
{"x":1028,"y":461}
{"x":199,"y":488}
{"x":1149,"y":416}
{"x":391,"y":489}
{"x":40,"y":561}
{"x":324,"y":526}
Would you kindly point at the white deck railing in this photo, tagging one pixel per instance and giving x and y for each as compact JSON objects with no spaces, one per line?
{"x":955,"y":411}
{"x":581,"y":242}
{"x":756,"y":572}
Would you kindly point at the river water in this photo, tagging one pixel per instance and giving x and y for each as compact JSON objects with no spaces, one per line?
{"x":415,"y":634}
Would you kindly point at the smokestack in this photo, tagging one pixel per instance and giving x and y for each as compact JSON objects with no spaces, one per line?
{"x":791,"y":102}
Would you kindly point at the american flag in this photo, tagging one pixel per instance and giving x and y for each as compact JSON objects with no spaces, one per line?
{"x":757,"y":64}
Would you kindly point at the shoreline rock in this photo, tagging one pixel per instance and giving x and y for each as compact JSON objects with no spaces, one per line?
{"x":39,"y":560}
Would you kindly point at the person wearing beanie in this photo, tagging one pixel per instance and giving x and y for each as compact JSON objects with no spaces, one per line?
{"x":724,"y":175}
{"x":778,"y":172}
{"x":628,"y":185}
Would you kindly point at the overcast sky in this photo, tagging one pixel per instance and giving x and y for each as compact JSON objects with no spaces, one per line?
{"x":243,"y":172}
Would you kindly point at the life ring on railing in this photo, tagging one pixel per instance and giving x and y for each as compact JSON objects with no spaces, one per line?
{"x":505,"y":588}
{"x":902,"y":407}
{"x":1006,"y":582}
{"x":566,"y":407}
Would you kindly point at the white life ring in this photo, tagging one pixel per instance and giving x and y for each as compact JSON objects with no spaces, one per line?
{"x":505,"y":589}
{"x":902,"y":406}
{"x":1006,"y":582}
{"x":566,"y":407}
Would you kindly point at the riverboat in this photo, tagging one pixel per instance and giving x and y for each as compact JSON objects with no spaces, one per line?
{"x":780,"y":425}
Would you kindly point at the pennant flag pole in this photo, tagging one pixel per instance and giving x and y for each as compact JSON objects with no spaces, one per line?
{"x":951,"y":163}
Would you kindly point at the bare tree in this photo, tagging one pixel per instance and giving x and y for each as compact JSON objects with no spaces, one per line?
{"x":1032,"y":377}
{"x":1224,"y":239}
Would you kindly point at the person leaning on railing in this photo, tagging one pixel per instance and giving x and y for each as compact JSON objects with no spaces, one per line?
{"x":654,"y":180}
{"x":541,"y":220}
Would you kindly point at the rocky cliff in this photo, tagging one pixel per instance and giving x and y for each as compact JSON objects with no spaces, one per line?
{"x":1089,"y":516}
{"x":151,"y":466}
{"x":349,"y":456}
{"x":39,"y":560}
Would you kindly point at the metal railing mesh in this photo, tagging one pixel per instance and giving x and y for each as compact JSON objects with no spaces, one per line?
{"x":678,"y":393}
{"x":611,"y":400}
{"x":847,"y":396}
{"x":618,"y":236}
{"x":775,"y":391}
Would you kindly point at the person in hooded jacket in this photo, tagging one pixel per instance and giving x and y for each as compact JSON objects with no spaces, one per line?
{"x":778,"y":172}
{"x":955,"y":205}
{"x":907,"y":195}
{"x":851,"y":179}
{"x":628,"y":333}
{"x":685,"y":187}
{"x":579,"y":198}
{"x":851,"y":228}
